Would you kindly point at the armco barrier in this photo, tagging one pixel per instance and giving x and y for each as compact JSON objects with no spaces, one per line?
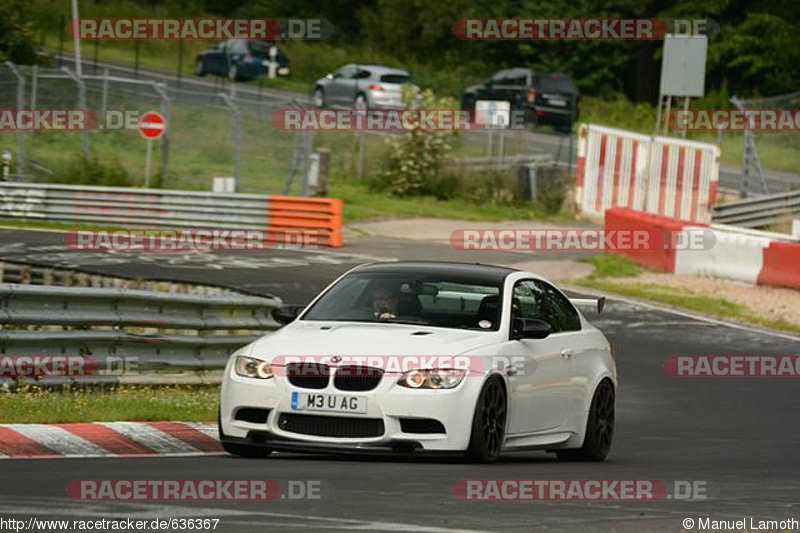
{"x":158,"y":330}
{"x":318,"y":219}
{"x":751,"y":256}
{"x":662,"y":176}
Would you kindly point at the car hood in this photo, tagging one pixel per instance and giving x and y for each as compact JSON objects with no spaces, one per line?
{"x":358,"y":339}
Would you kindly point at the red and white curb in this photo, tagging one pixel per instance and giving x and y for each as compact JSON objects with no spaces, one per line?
{"x":108,"y":439}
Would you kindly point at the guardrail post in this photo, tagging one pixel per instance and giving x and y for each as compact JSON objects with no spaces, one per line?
{"x":104,"y":94}
{"x":307,"y":159}
{"x":34,"y":85}
{"x":237,"y":137}
{"x":81,"y":105}
{"x":166,"y":107}
{"x":20,"y":105}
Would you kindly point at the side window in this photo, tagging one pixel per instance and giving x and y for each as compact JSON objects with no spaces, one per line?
{"x":525,"y":301}
{"x":534,"y":299}
{"x":346,"y":72}
{"x":559,"y":308}
{"x":361,"y":74}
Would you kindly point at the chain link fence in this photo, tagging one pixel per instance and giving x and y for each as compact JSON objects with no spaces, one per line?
{"x":213,"y":133}
{"x":221,"y":129}
{"x":781,"y":147}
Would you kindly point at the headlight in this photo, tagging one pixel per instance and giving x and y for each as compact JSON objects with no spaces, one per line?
{"x":252,"y":368}
{"x":432,"y":379}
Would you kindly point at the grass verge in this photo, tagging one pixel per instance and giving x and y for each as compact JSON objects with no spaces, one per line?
{"x":610,"y":267}
{"x":361,"y":203}
{"x":125,"y":402}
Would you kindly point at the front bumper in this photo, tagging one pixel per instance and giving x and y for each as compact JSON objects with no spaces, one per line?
{"x":388,"y":402}
{"x":267,"y":440}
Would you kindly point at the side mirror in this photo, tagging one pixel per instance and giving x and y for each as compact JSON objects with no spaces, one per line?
{"x":286,"y":314}
{"x":525,"y":328}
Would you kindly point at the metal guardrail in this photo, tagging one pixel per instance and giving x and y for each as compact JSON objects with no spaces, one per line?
{"x":75,"y":306}
{"x":132,"y":206}
{"x":759,"y":212}
{"x":319,"y":220}
{"x":157,"y":325}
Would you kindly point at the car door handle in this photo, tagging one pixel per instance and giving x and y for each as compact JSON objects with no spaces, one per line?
{"x":512,"y":370}
{"x":566,"y":354}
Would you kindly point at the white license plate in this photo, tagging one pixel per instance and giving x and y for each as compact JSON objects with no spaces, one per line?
{"x":336,"y":403}
{"x":557,"y":102}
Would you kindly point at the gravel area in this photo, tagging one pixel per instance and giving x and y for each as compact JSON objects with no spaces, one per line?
{"x":768,"y":302}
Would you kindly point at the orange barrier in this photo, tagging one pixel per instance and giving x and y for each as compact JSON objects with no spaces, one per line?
{"x":781,"y":265}
{"x":319,"y":219}
{"x":618,"y":218}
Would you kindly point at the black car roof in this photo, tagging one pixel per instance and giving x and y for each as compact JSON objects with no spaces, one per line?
{"x":476,"y":271}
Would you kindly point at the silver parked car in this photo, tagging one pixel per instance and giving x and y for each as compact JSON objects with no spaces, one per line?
{"x":362,"y":87}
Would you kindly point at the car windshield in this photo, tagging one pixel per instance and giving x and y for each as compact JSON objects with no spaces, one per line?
{"x":259,"y":47}
{"x":557,"y":85}
{"x":449,"y":301}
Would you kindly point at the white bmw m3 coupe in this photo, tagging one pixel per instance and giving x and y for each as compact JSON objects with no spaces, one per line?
{"x":416,"y":357}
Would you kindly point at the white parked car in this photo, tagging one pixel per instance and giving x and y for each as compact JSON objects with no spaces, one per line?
{"x":425,"y":357}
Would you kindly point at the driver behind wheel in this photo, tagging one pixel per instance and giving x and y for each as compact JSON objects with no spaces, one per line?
{"x":384,"y":297}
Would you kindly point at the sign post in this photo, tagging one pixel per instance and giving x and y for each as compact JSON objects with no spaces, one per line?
{"x":152,"y":126}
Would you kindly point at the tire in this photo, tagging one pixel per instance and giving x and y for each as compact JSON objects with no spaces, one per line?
{"x":233,"y":73}
{"x":488,"y":423}
{"x":599,"y":428}
{"x":360,"y":103}
{"x":240,"y":450}
{"x":318,"y":98}
{"x":199,"y":68}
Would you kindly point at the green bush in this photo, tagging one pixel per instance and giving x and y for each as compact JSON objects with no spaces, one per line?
{"x":552,"y":188}
{"x":17,"y":41}
{"x":414,"y":159}
{"x":92,"y":171}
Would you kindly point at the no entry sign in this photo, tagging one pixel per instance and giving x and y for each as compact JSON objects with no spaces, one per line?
{"x":152,"y":125}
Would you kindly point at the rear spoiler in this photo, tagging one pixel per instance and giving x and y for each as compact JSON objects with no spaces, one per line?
{"x":599,"y":302}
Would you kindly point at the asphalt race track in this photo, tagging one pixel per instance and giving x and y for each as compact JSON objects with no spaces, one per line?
{"x":739,"y":435}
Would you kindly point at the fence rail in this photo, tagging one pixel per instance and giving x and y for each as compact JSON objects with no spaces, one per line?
{"x":759,"y":212}
{"x":158,"y":323}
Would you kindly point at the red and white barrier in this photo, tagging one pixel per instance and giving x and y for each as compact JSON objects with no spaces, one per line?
{"x":658,"y":175}
{"x":751,"y":256}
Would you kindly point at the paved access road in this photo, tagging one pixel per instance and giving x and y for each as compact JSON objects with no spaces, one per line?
{"x":739,"y":435}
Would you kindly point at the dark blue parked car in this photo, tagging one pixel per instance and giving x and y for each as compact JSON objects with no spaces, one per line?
{"x":240,"y":59}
